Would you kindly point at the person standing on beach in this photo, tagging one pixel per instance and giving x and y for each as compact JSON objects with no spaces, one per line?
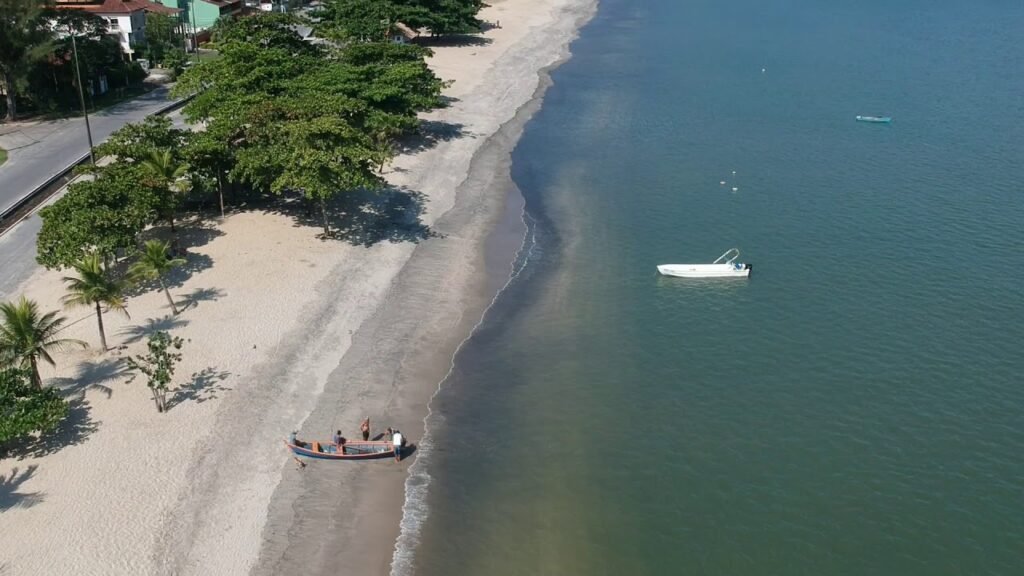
{"x":396,"y":439}
{"x":365,"y":428}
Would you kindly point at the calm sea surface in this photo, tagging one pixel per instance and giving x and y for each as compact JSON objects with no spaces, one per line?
{"x":856,"y":407}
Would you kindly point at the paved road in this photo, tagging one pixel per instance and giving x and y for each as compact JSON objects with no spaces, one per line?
{"x":18,"y":245}
{"x":47,"y":148}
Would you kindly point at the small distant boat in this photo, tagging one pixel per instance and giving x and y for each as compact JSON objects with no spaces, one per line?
{"x":351,"y":450}
{"x":724,"y":267}
{"x":875,"y":119}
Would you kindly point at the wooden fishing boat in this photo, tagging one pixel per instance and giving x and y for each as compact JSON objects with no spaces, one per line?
{"x":351,"y":450}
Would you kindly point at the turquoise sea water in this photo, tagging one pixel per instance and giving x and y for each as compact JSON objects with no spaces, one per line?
{"x":856,"y":407}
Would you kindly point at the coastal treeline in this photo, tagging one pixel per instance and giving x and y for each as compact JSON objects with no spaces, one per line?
{"x":377,"y":20}
{"x":279,"y":115}
{"x":275,"y":114}
{"x":37,"y":72}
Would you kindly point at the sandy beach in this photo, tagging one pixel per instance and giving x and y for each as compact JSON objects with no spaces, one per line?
{"x":285,"y":331}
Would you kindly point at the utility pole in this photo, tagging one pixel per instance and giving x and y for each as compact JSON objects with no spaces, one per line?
{"x":81,"y":96}
{"x":195,"y":43}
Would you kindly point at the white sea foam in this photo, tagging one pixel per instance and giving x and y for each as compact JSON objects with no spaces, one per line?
{"x":415,"y":510}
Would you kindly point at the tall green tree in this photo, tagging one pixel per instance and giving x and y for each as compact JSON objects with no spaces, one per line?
{"x":154,"y":263}
{"x":208,"y":154}
{"x":162,"y":36}
{"x":371,"y":20}
{"x":356,"y":20}
{"x":24,"y":36}
{"x":137,"y":141}
{"x":166,"y":174}
{"x":158,"y":365}
{"x":26,"y":409}
{"x":104,"y":215}
{"x":94,"y":287}
{"x":268,"y":29}
{"x":26,"y":337}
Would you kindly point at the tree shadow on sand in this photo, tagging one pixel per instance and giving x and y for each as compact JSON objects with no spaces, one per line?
{"x":73,"y":430}
{"x":10,"y":497}
{"x":454,"y":40}
{"x":191,"y":234}
{"x":193,"y":298}
{"x":194,"y":263}
{"x":78,"y":425}
{"x":152,"y":326}
{"x":364,"y":218}
{"x":204,"y":385}
{"x":429,"y":134}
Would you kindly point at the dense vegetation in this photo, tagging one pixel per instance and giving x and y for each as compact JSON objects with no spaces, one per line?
{"x":374,"y":20}
{"x":279,"y":115}
{"x":36,"y":66}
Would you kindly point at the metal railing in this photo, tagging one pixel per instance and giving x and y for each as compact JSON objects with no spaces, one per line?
{"x":26,"y":205}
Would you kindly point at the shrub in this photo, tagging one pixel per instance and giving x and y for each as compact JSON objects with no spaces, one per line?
{"x":25,"y":409}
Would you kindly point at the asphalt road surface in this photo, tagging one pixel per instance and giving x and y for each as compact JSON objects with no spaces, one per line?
{"x":47,"y":149}
{"x":18,"y":245}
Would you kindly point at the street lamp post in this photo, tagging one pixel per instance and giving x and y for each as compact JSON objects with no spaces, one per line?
{"x":81,"y":97}
{"x":195,"y":42}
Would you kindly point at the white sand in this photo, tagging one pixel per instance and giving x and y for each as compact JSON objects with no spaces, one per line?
{"x":188,"y":491}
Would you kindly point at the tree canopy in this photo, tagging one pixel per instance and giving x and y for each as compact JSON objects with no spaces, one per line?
{"x":135,"y":142}
{"x":27,"y":336}
{"x":36,"y":66}
{"x":23,"y":38}
{"x":101,"y":215}
{"x":374,"y":20}
{"x":300,"y":117}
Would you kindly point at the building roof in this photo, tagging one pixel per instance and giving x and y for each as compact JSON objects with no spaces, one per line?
{"x":158,"y":8}
{"x":405,"y":31}
{"x":115,"y":6}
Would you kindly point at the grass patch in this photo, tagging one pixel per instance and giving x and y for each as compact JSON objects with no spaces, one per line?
{"x":205,"y":54}
{"x":3,"y":156}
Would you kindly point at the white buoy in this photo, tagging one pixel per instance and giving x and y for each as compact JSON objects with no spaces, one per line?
{"x":762,"y":70}
{"x":734,"y":189}
{"x":734,"y":172}
{"x":722,"y":182}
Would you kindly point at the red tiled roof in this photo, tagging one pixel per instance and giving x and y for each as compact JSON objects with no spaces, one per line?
{"x":117,"y":6}
{"x":159,"y":8}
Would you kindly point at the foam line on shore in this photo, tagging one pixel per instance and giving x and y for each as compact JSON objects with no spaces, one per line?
{"x":415,"y":509}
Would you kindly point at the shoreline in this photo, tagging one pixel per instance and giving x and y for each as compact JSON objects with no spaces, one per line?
{"x":287,"y":332}
{"x":374,"y":536}
{"x":502,"y":268}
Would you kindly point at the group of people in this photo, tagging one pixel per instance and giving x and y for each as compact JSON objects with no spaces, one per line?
{"x":392,"y":435}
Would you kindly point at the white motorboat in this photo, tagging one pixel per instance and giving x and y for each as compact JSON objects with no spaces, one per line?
{"x":724,"y":267}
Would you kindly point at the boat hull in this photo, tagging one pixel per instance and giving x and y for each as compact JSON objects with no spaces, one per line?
{"x":354,"y":450}
{"x":874,"y":119}
{"x":705,"y":270}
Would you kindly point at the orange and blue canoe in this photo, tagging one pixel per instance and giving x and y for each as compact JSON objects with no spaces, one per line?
{"x":351,"y":450}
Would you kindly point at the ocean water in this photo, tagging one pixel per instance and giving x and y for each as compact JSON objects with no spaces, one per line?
{"x":855,"y":407}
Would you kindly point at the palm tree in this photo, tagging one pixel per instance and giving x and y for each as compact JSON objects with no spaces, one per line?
{"x":155,"y":261}
{"x":26,"y":337}
{"x":167,"y":174}
{"x":93,"y":287}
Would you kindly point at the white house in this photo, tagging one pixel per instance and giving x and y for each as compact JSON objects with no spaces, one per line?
{"x":125,"y":18}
